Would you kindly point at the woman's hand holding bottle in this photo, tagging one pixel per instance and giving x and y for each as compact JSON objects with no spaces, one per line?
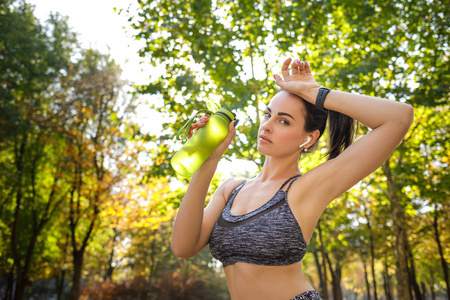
{"x":208,"y":140}
{"x":223,"y":146}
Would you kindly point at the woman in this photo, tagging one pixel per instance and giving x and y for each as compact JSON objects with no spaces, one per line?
{"x":259,"y":228}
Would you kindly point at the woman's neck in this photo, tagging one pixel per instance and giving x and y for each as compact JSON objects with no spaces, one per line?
{"x":277,"y":168}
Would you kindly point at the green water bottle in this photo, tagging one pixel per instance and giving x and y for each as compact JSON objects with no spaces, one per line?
{"x":197,"y":149}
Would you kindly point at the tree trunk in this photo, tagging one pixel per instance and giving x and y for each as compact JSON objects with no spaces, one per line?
{"x":153,"y":265}
{"x":22,"y":272}
{"x":9,"y":285}
{"x":337,"y":291}
{"x":401,"y":258}
{"x":366,"y":278}
{"x":441,"y":252}
{"x":20,"y":281}
{"x":38,"y":223}
{"x":319,"y":269}
{"x":372,"y":254}
{"x":75,"y":291}
{"x":60,"y":285}
{"x":109,"y":272}
{"x":413,"y":278}
{"x":387,"y":285}
{"x":74,"y":210}
{"x":20,"y":287}
{"x":433,"y":293}
{"x":374,"y":281}
{"x":424,"y":290}
{"x":335,"y":279}
{"x":324,"y":292}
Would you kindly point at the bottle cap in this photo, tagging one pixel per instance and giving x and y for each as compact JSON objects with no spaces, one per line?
{"x":230,"y":116}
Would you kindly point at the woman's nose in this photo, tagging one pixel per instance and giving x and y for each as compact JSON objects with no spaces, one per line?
{"x":266,"y":126}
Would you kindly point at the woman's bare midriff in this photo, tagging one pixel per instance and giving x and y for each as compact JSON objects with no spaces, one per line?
{"x":248,"y":281}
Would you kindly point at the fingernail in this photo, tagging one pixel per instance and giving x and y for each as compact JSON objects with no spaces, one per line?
{"x":236,"y":122}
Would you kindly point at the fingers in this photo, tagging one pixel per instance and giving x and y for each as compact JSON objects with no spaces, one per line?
{"x":192,"y":131}
{"x":200,"y":123}
{"x":285,"y":67}
{"x":307,"y":68}
{"x":301,"y":67}
{"x":297,"y":67}
{"x":279,"y":81}
{"x":223,"y":146}
{"x":231,"y":132}
{"x":229,"y":138}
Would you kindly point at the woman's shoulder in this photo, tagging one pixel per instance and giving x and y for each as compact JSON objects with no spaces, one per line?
{"x":230,"y":184}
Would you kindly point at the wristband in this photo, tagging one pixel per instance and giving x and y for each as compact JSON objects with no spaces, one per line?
{"x":323,"y":92}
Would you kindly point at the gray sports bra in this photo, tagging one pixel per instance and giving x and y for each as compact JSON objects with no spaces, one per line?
{"x":269,"y":235}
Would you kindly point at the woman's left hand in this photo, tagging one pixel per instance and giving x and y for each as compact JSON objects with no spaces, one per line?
{"x":299,"y":81}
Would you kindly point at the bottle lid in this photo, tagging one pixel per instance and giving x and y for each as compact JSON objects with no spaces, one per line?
{"x":229,"y":115}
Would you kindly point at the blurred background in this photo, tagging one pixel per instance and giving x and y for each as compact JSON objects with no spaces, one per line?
{"x":92,"y":93}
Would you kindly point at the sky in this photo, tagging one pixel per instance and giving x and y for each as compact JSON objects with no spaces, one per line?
{"x":98,"y":26}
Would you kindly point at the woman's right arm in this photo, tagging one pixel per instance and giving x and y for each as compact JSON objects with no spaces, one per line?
{"x":194,"y":223}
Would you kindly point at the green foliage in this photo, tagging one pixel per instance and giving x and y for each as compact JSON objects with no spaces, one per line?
{"x":62,"y":143}
{"x":65,"y":132}
{"x":33,"y":57}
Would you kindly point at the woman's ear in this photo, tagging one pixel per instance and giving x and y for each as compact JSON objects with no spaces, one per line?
{"x":314,"y":137}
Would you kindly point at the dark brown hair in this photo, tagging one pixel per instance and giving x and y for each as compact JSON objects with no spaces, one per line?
{"x":341,"y":127}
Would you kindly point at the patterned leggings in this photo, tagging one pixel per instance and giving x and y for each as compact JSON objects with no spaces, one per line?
{"x":309,"y":295}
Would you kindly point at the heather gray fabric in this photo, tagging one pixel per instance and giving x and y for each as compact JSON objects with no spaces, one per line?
{"x":269,"y":235}
{"x":309,"y":295}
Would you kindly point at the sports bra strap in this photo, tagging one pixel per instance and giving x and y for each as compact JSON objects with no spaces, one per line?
{"x":235,"y":191}
{"x":290,"y":181}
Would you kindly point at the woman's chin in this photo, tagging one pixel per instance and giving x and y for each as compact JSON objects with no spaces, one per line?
{"x":261,"y":149}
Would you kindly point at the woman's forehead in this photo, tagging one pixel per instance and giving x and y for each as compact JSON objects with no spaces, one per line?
{"x":286,"y":102}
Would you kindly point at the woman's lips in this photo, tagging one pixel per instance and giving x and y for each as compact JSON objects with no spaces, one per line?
{"x":264,"y":139}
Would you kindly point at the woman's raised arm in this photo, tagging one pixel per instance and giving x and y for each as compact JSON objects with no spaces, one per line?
{"x":389,"y":121}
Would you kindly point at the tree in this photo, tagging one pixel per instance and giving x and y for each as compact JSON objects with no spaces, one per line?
{"x":94,"y":145}
{"x":33,"y":57}
{"x":423,"y":169}
{"x":64,"y":137}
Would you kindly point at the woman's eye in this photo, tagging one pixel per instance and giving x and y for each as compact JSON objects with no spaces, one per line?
{"x":285,"y":122}
{"x":266,"y":115}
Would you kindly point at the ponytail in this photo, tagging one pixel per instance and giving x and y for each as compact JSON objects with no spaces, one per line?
{"x":341,"y":130}
{"x":341,"y":127}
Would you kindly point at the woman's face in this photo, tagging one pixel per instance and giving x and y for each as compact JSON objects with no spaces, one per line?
{"x":282,"y":128}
